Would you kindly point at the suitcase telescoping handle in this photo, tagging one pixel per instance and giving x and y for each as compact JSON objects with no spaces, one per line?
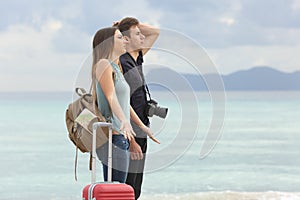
{"x":109,"y":172}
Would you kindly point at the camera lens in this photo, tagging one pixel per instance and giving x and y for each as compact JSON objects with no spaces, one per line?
{"x":161,"y":112}
{"x":153,"y":109}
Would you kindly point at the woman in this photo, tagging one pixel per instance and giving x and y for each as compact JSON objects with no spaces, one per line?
{"x":113,"y":98}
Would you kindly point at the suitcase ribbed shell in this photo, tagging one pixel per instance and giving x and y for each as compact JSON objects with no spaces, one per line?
{"x":109,"y":191}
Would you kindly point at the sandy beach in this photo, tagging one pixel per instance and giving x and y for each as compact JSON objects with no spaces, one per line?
{"x":227,"y":196}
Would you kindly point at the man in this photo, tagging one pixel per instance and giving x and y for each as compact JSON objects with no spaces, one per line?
{"x":139,"y":39}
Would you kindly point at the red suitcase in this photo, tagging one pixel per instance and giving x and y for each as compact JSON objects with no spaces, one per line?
{"x":106,"y":190}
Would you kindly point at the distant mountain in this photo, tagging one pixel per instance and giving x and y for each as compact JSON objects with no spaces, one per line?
{"x":257,"y":78}
{"x":262,"y":78}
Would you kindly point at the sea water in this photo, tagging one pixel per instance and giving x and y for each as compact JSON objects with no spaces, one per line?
{"x":255,"y":157}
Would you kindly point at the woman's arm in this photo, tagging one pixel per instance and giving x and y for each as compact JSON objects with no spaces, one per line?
{"x":104,"y":76}
{"x":137,"y":121}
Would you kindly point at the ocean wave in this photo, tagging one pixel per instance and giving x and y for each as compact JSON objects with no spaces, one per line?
{"x":227,"y":195}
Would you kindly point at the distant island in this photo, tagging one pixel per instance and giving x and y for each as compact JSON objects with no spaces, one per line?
{"x":257,"y":79}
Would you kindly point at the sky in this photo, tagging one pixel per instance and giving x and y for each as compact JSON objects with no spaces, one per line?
{"x":43,"y":44}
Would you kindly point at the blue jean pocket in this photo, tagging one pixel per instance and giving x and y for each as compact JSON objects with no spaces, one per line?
{"x":120,"y":142}
{"x":120,"y":148}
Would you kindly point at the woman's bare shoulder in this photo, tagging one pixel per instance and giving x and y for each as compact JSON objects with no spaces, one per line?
{"x":102,"y":65}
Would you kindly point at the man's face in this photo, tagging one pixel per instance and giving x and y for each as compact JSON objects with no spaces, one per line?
{"x":136,"y":39}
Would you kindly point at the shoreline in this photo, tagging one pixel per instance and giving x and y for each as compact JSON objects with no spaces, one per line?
{"x":226,"y":195}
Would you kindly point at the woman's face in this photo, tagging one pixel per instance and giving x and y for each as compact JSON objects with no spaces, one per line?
{"x":119,"y":43}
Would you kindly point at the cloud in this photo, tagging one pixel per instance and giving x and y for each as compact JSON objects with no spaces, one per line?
{"x":268,"y":13}
{"x":141,"y":9}
{"x":49,"y":40}
{"x":221,"y":24}
{"x":295,"y":5}
{"x":54,"y":26}
{"x":30,"y":60}
{"x":180,"y":53}
{"x":209,"y":22}
{"x":229,"y":21}
{"x":43,"y":44}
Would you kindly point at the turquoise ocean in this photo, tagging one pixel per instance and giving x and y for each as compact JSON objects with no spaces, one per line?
{"x":257,"y":155}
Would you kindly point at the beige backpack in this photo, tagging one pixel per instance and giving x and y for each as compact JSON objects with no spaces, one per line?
{"x":81,"y":133}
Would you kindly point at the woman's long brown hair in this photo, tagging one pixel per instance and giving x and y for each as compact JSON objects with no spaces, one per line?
{"x":103,"y":44}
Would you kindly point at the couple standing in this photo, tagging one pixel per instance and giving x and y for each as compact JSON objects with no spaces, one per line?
{"x":121,"y":96}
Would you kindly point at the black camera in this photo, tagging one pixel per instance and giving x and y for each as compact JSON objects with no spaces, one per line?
{"x":153,"y":109}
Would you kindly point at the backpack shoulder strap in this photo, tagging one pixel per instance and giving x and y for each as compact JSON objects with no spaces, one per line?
{"x":76,"y":160}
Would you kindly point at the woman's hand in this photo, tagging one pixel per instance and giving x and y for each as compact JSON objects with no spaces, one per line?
{"x":147,"y":130}
{"x":127,"y":130}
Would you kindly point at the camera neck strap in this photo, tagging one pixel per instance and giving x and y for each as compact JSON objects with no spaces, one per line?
{"x":147,"y":91}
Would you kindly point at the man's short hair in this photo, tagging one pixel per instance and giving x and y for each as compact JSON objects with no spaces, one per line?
{"x":125,"y":24}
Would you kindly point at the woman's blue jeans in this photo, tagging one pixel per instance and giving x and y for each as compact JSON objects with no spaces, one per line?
{"x":120,"y":158}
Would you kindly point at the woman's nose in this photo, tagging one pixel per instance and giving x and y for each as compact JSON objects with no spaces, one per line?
{"x":125,"y":41}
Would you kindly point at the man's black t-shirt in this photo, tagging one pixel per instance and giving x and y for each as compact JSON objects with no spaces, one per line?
{"x":133,"y":73}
